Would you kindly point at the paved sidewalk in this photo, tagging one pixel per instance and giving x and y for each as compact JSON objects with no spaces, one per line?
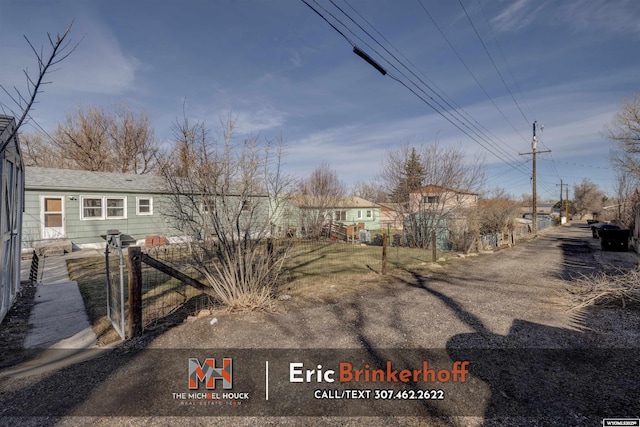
{"x":59,"y":323}
{"x":58,"y":317}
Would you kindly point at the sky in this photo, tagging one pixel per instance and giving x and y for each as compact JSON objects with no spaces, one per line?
{"x":467,"y":74}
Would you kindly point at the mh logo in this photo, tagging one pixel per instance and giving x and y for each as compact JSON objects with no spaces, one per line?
{"x":208,"y":373}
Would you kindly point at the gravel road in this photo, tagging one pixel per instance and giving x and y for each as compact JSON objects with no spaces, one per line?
{"x":531,"y":361}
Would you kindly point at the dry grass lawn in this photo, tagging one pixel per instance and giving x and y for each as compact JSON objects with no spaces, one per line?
{"x":312,"y":272}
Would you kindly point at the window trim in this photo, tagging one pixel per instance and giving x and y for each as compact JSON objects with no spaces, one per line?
{"x":124,"y":207}
{"x":82,"y":208}
{"x":150,"y":199}
{"x":432,"y":199}
{"x":103,"y":208}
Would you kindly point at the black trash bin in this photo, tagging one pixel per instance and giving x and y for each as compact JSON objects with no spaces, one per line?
{"x":600,"y":226}
{"x":614,"y":240}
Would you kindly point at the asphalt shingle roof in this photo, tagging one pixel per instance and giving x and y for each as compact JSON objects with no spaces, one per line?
{"x":37,"y":178}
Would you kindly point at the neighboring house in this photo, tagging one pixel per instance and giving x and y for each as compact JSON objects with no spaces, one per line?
{"x":304,"y":210}
{"x":440,"y":198}
{"x":541,"y":209}
{"x":435,"y":209}
{"x":391,"y":216}
{"x":81,"y":206}
{"x":356,"y":210}
{"x":11,"y":204}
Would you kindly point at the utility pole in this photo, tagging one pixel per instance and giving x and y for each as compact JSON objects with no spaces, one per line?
{"x":534,"y":146}
{"x":567,"y":201}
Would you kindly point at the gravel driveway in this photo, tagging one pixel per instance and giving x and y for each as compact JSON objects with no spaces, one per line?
{"x":531,"y":362}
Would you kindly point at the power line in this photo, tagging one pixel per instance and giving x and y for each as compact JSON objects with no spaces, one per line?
{"x":458,"y":122}
{"x":461,"y":119}
{"x":504,"y":58}
{"x":477,"y":131}
{"x":492,"y":61}
{"x":327,"y":21}
{"x":471,"y":73}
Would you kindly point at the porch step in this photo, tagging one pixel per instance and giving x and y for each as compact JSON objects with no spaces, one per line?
{"x":54,"y":247}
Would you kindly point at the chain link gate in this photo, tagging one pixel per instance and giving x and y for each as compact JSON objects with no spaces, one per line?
{"x":116,"y":286}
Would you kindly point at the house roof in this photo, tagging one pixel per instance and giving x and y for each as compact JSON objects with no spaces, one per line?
{"x":341,"y":203}
{"x":4,"y":122}
{"x":391,"y":206}
{"x":37,"y":178}
{"x":439,"y":189}
{"x":7,"y":126}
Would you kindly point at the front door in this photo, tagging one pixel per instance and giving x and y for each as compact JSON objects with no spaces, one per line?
{"x":52,"y":209}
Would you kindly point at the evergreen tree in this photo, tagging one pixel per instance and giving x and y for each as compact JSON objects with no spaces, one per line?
{"x":412,"y":178}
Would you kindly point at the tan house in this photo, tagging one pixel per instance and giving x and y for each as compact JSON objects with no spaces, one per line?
{"x":434,"y":197}
{"x":391,"y":216}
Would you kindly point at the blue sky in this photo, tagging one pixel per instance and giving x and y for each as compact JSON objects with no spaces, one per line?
{"x":282,"y":70}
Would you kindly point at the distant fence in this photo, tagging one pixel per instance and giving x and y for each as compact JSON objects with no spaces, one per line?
{"x":159,"y":281}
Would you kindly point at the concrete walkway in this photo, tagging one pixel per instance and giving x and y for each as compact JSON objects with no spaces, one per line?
{"x":58,"y":317}
{"x":59,"y":323}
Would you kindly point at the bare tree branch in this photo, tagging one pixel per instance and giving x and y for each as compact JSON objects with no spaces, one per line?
{"x":60,"y":50}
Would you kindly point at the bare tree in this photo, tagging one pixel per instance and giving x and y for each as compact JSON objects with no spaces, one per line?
{"x":627,"y":198}
{"x":319,"y":194}
{"x":226,"y":201}
{"x":587,"y":198}
{"x":624,"y":131}
{"x":133,"y":141}
{"x":448,"y":185}
{"x":38,"y":150}
{"x":496,"y":212}
{"x":60,"y":49}
{"x":371,"y":191}
{"x":108,"y":141}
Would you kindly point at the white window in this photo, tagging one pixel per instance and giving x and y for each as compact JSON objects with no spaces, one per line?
{"x":340,"y":216}
{"x":432,"y":200}
{"x":92,"y":208}
{"x":369,"y":214}
{"x":144,"y":205}
{"x":97,"y":208}
{"x":359,"y":214}
{"x":116,"y":207}
{"x":207,"y":205}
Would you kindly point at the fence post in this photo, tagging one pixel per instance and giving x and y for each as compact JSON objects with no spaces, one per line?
{"x":384,"y":253}
{"x":134,"y":314}
{"x":434,"y":244}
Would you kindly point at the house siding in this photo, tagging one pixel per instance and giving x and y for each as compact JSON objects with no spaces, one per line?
{"x":352,"y":217}
{"x":88,"y":232}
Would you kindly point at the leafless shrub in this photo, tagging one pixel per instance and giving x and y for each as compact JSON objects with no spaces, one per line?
{"x":226,"y":198}
{"x":606,"y":288}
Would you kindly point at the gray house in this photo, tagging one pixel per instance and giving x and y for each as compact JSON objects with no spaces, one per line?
{"x":80,"y":206}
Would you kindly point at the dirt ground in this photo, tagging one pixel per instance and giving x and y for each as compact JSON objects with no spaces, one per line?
{"x":532,"y":361}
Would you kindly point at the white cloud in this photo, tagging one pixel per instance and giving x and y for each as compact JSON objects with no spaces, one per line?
{"x":516,"y":17}
{"x":98,"y":65}
{"x":621,"y":17}
{"x":259,"y":121}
